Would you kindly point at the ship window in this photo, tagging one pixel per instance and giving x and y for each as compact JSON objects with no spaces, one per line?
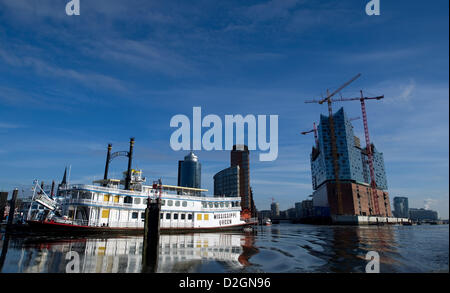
{"x":189,"y":216}
{"x":216,"y":204}
{"x":105,"y":213}
{"x":168,"y":216}
{"x":127,"y":199}
{"x":183,"y":216}
{"x":199,"y":217}
{"x":221,"y":204}
{"x":175,"y":216}
{"x":142,"y":215}
{"x":177,"y":203}
{"x":204,"y":204}
{"x":161,"y":216}
{"x":163,"y":202}
{"x":134,"y":215}
{"x":206,"y":217}
{"x":137,"y":201}
{"x":170,"y":203}
{"x":184,"y":203}
{"x":210,"y":204}
{"x":227,"y":204}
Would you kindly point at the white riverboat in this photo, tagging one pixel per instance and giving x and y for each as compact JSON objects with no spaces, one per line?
{"x":119,"y":205}
{"x":104,"y":206}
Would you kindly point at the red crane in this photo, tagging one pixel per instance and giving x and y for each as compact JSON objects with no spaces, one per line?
{"x":333,"y":138}
{"x":373,"y":184}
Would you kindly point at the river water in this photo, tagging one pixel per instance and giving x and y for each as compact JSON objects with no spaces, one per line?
{"x":282,"y":248}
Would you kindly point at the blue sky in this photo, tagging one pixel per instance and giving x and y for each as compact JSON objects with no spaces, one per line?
{"x":71,"y":85}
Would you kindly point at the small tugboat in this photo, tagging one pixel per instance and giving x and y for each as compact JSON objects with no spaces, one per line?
{"x":106,"y":207}
{"x":267,"y":222}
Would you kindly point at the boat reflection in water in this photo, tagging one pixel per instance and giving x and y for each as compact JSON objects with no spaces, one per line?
{"x":177,"y":253}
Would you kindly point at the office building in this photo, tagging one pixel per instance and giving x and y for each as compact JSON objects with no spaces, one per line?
{"x":420,"y":215}
{"x":401,"y":207}
{"x":353,"y":171}
{"x":240,"y":156}
{"x":275,"y":208}
{"x":189,"y":171}
{"x":226,"y":182}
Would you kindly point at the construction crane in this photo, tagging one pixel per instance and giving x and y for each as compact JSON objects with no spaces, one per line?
{"x":373,"y":184}
{"x":314,"y":130}
{"x":316,"y":138}
{"x":333,"y":138}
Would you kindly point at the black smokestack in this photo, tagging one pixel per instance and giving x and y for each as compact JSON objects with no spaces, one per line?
{"x":130,"y":160}
{"x":52,"y":193}
{"x":108,"y":158}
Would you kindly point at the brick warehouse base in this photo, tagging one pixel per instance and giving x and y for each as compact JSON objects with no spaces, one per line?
{"x":356,"y":199}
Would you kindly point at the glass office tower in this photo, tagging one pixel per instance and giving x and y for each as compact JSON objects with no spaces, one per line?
{"x":190,"y":171}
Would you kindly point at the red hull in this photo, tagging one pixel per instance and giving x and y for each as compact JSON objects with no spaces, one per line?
{"x":39,"y":226}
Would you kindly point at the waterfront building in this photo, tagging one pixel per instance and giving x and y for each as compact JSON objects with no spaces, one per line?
{"x":307,"y":209}
{"x":275,"y":208}
{"x":419,"y":215}
{"x":291,"y":213}
{"x":226,"y":182}
{"x":189,"y":171}
{"x":3,"y":202}
{"x":353,"y":159}
{"x":401,"y":207}
{"x":264,"y":214}
{"x":298,"y":209}
{"x":240,"y":156}
{"x":354,"y":174}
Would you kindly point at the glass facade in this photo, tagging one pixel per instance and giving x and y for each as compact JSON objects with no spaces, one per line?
{"x":401,"y":207}
{"x":190,"y":172}
{"x":226,"y":182}
{"x":352,"y":158}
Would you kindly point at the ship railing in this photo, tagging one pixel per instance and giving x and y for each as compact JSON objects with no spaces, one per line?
{"x":95,"y":202}
{"x":118,"y":224}
{"x":105,"y":189}
{"x":249,"y":220}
